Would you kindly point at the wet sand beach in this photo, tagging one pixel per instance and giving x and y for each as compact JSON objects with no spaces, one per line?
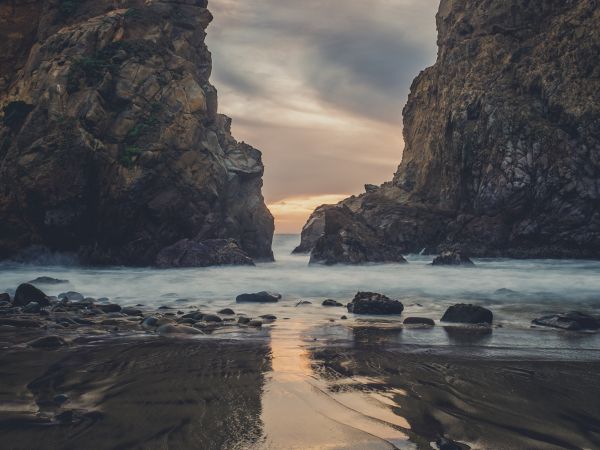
{"x":293,"y":386}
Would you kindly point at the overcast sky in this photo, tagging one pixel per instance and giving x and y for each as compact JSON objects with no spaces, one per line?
{"x":319,"y":87}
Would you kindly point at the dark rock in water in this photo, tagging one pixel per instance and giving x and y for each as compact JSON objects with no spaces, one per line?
{"x":227,"y":312}
{"x":452,"y":258}
{"x":164,"y":307}
{"x":268,"y":317}
{"x":72,"y":296}
{"x":447,"y":444}
{"x":419,"y":321}
{"x":128,"y":311}
{"x":573,"y":321}
{"x":244,"y":320}
{"x":211,"y":318}
{"x":5,"y":297}
{"x":5,"y":304}
{"x":28,"y":293}
{"x":346,"y":240}
{"x":373,"y":303}
{"x":20,"y":323}
{"x":196,"y":315}
{"x":332,"y":303}
{"x":213,"y":252}
{"x":47,"y":342}
{"x":462,"y":313}
{"x":303,"y":303}
{"x":255,"y":323}
{"x":259,"y":297}
{"x":47,"y":280}
{"x":32,"y":308}
{"x":187,"y":321}
{"x":109,"y":308}
{"x":344,"y":318}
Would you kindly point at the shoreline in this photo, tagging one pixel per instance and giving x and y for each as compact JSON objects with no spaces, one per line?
{"x":253,"y":393}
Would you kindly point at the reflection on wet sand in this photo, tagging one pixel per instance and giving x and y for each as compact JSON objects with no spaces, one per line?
{"x":300,"y":411}
{"x":295,"y":385}
{"x":485,"y":403}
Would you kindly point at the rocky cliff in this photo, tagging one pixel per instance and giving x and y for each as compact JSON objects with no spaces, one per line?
{"x":502,"y":134}
{"x":111,"y":146}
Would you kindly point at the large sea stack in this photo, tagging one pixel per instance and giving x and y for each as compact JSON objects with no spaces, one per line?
{"x":502,"y":139}
{"x":111,"y":146}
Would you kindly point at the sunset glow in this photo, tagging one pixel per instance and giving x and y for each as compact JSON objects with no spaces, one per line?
{"x":291,"y":213}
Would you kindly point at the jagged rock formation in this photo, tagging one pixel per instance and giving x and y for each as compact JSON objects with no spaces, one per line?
{"x":110,"y":141}
{"x":502,"y":134}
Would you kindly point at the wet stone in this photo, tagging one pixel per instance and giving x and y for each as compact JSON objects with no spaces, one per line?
{"x":48,"y":342}
{"x":259,"y":297}
{"x":419,"y":321}
{"x":332,"y":303}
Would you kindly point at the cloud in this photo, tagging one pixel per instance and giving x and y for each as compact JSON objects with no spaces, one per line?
{"x":319,"y":86}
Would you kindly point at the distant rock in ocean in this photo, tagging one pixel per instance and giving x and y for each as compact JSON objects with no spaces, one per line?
{"x":111,"y":146}
{"x":502,"y":142}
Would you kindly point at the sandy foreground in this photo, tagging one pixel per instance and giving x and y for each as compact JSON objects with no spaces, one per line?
{"x":289,"y":386}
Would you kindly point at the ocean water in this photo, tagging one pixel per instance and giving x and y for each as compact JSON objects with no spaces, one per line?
{"x":536,"y":287}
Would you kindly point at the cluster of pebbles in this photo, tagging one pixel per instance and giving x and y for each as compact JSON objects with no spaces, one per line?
{"x":46,"y":321}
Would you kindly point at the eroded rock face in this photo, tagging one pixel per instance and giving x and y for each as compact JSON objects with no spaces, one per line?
{"x":110,"y":141}
{"x":502,"y":134}
{"x":350,"y":240}
{"x":212,"y":252}
{"x":375,"y":304}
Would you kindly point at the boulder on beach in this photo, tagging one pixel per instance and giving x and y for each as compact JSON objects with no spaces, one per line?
{"x":129,"y":311}
{"x":5,"y":297}
{"x":419,"y":321}
{"x":332,"y":303}
{"x":259,"y":297}
{"x":227,"y":312}
{"x":572,"y":321}
{"x":448,"y":444}
{"x":373,"y":303}
{"x":462,"y":313}
{"x":47,"y":342}
{"x":452,"y":258}
{"x":28,"y":293}
{"x":109,"y":308}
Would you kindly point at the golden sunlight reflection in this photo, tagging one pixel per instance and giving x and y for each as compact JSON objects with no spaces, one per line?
{"x":291,"y":213}
{"x":323,"y":418}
